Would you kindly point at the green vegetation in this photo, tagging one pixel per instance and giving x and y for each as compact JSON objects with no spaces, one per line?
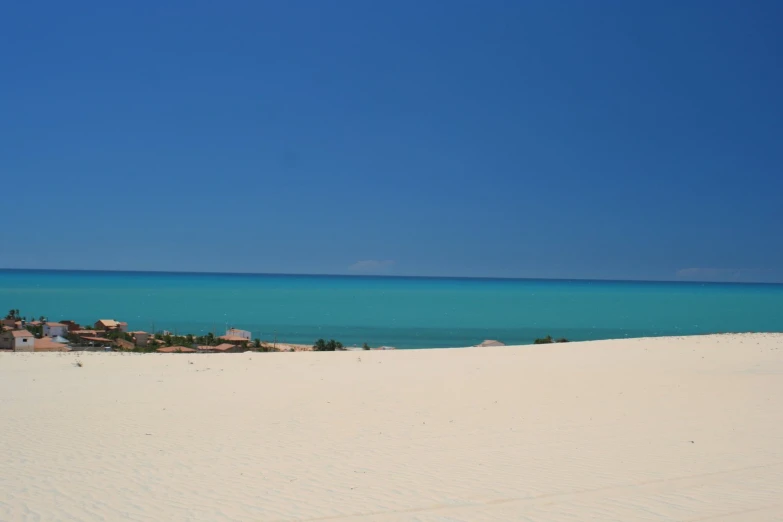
{"x":263,"y":346}
{"x":35,"y":330}
{"x":207,"y":340}
{"x":144,"y":349}
{"x":116,"y":334}
{"x":366,"y":346}
{"x":327,"y":346}
{"x":187,"y":340}
{"x":548,"y":340}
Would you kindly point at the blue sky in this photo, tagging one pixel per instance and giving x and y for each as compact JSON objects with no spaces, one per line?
{"x":636,"y":140}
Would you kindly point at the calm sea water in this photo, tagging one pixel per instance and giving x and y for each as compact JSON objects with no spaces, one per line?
{"x":402,"y":312}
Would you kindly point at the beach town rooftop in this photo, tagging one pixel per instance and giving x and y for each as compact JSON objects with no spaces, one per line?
{"x":112,"y":332}
{"x":219,"y":348}
{"x":111,"y":324}
{"x":20,"y":333}
{"x":234,"y":338}
{"x":47,"y":344}
{"x":176,"y":349}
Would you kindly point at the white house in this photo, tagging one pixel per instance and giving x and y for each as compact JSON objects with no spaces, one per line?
{"x":141,"y":338}
{"x":235,"y":332}
{"x":55,"y":329}
{"x":17,"y":340}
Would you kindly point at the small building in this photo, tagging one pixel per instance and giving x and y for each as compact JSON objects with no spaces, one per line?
{"x":17,"y":340}
{"x":236,"y":336}
{"x":141,"y":338}
{"x":51,"y":329}
{"x":175,"y":349}
{"x":72,"y":325}
{"x":111,"y":324}
{"x":236,"y":332}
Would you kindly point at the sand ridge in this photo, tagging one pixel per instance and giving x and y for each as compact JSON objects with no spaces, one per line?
{"x":686,"y":428}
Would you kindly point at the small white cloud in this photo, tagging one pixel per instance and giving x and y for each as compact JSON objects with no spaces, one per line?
{"x":729,"y":275}
{"x":372,"y":266}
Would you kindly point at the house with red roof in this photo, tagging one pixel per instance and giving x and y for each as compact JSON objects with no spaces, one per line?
{"x":111,"y":324}
{"x":175,"y":349}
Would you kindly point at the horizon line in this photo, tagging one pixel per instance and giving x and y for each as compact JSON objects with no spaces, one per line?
{"x":391,"y":276}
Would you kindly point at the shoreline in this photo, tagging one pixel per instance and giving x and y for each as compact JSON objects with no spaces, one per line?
{"x":285,"y":347}
{"x":406,"y":313}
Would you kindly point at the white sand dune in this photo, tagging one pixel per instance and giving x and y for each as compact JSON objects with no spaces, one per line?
{"x":648,"y":429}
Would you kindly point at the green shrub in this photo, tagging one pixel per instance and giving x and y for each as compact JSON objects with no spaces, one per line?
{"x":327,"y":346}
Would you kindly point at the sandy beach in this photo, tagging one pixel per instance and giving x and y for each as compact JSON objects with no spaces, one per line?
{"x":660,"y":429}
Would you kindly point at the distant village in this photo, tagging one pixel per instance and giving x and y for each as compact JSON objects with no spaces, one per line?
{"x":20,"y":335}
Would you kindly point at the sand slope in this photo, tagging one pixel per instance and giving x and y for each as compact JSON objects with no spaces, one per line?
{"x":650,"y":429}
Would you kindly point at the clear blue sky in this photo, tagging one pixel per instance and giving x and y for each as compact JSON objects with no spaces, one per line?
{"x":635,"y":140}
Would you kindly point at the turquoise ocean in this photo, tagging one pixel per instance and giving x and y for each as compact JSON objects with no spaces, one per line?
{"x":406,"y":312}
